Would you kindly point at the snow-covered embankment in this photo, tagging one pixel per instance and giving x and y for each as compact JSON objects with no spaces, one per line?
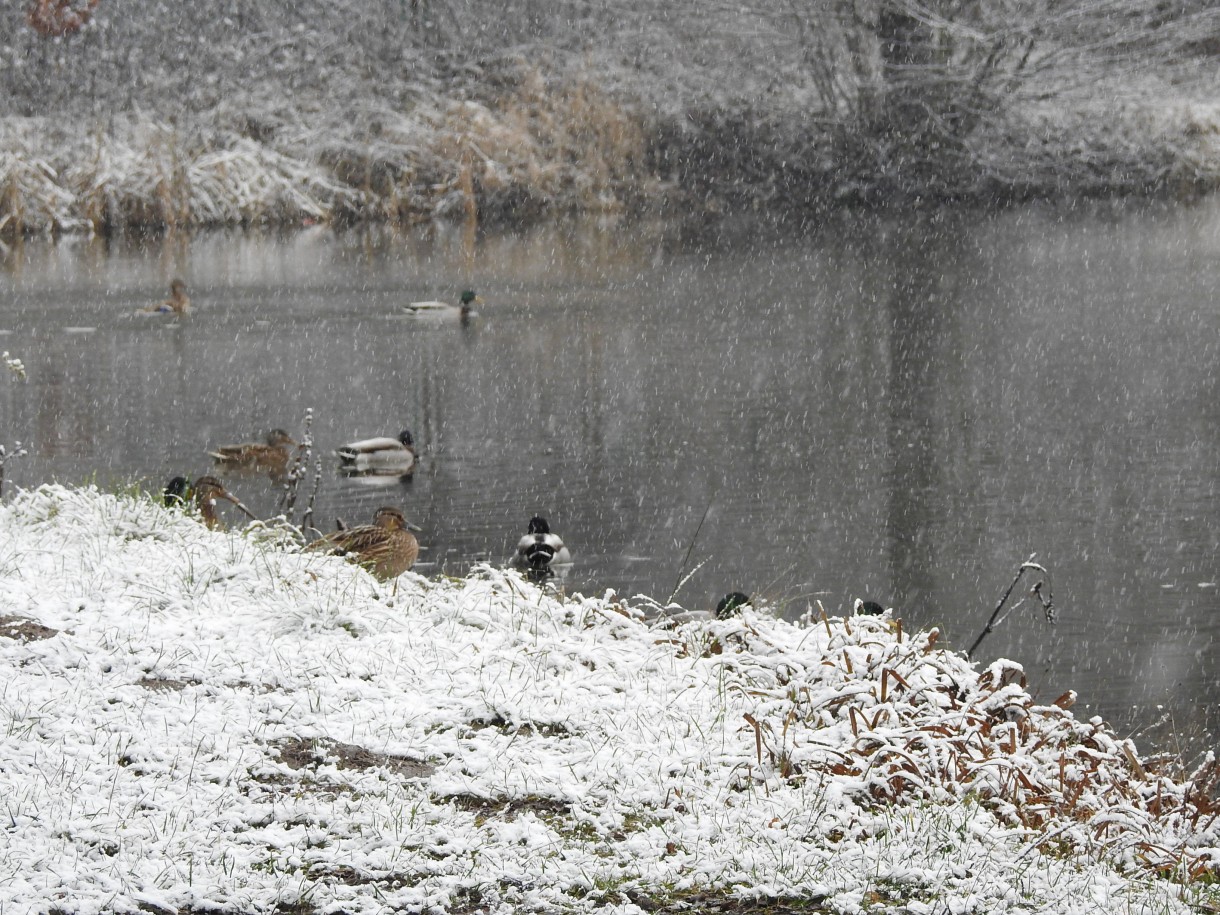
{"x":191,"y":720}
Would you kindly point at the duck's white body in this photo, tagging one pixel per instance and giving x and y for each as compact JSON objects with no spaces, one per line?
{"x":443,"y":311}
{"x":383,"y":455}
{"x":540,"y":551}
{"x":527,"y":544}
{"x":434,"y":311}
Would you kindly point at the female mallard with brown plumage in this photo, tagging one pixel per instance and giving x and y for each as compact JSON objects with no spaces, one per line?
{"x":203,"y":494}
{"x":387,"y":548}
{"x":271,"y":455}
{"x":178,"y":303}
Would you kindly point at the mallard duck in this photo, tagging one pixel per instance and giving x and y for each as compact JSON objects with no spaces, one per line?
{"x":204,"y":493}
{"x":443,"y":311}
{"x":387,"y":548}
{"x":867,"y":608}
{"x":539,"y":549}
{"x":272,"y":454}
{"x":178,"y":303}
{"x":383,"y":455}
{"x":176,"y":492}
{"x":730,"y":605}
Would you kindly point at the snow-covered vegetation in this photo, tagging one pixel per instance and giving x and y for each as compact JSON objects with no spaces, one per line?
{"x":234,"y":111}
{"x":199,"y":721}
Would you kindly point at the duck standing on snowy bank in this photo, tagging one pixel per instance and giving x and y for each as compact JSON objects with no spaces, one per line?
{"x":387,"y":548}
{"x":382,"y":455}
{"x":204,"y":493}
{"x":730,"y":605}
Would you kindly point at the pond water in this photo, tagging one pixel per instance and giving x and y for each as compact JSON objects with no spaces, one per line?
{"x":895,"y":407}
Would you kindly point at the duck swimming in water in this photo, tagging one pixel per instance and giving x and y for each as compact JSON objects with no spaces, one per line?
{"x":443,"y":311}
{"x":178,"y":303}
{"x":539,"y":549}
{"x":383,"y":455}
{"x":270,"y":455}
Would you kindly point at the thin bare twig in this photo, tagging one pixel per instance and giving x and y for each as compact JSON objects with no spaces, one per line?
{"x":1046,"y":600}
{"x":297,"y":471}
{"x":685,"y":559}
{"x":307,"y":518}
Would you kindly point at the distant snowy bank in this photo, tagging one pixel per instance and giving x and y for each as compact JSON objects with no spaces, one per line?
{"x":223,"y":113}
{"x":200,"y":721}
{"x":545,"y":150}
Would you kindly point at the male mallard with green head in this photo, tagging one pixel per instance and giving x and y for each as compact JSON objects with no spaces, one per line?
{"x":540,"y":549}
{"x":382,"y":455}
{"x":387,"y":548}
{"x":203,"y":493}
{"x":443,"y":311}
{"x":730,"y":605}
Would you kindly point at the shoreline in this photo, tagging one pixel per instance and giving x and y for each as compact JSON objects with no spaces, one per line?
{"x":534,"y":154}
{"x":219,"y":719}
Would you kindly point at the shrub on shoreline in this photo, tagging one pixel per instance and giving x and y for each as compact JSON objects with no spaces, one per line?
{"x":223,"y":115}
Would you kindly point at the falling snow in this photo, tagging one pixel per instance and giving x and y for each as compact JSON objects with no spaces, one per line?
{"x":196,"y":719}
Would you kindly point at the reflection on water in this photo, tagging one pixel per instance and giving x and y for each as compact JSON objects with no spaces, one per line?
{"x":900,"y":409}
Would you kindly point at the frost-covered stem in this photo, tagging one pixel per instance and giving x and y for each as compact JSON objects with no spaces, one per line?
{"x":307,"y":518}
{"x":16,"y":366}
{"x":5,"y":455}
{"x":304,"y":449}
{"x":1047,"y":601}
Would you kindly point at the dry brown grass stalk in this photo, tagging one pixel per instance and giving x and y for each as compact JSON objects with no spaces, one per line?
{"x":906,"y":723}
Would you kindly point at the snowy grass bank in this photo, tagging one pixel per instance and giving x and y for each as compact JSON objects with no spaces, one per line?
{"x":543,"y":147}
{"x":532,"y":150}
{"x":196,"y":721}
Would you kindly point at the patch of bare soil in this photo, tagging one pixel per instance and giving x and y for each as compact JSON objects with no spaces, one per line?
{"x":510,"y":808}
{"x":163,"y":684}
{"x":309,"y":754}
{"x":23,"y":629}
{"x":523,"y":728}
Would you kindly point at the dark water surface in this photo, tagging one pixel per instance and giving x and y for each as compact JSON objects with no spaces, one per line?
{"x":900,"y":409}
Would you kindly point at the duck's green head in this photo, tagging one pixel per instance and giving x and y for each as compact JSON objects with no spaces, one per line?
{"x":469,"y":297}
{"x":730,"y":605}
{"x":176,"y":492}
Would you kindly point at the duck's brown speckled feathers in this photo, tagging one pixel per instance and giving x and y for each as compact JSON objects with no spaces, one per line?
{"x":271,"y":455}
{"x":178,"y":303}
{"x":386,"y":547}
{"x":205,"y":492}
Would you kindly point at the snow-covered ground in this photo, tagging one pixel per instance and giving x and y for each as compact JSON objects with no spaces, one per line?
{"x":195,"y":720}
